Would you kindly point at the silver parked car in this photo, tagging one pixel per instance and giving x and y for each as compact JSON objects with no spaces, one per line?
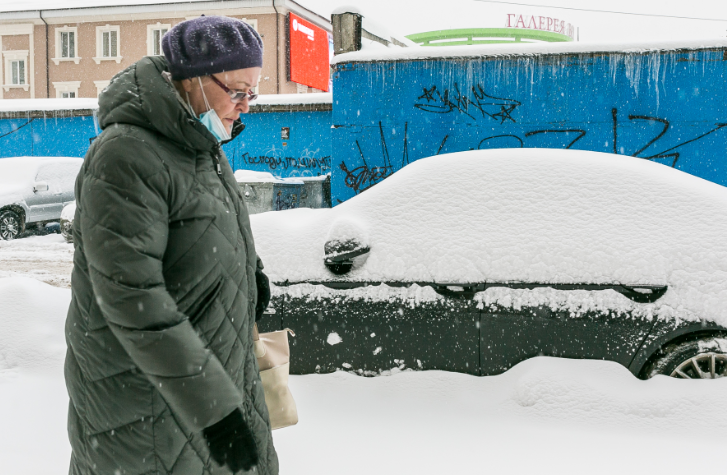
{"x":34,"y":190}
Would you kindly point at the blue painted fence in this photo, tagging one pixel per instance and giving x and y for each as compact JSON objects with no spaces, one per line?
{"x":666,"y":106}
{"x":663,"y":106}
{"x":53,"y":135}
{"x":260,"y":147}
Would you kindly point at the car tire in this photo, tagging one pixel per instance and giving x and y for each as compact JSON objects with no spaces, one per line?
{"x":67,"y":230}
{"x":10,"y":225}
{"x":705,"y":358}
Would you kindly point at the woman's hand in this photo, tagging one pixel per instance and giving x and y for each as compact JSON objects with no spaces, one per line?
{"x":263,"y":293}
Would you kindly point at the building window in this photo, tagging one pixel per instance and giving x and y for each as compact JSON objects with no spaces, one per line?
{"x":66,"y":45}
{"x":158,"y":41}
{"x":16,"y":70}
{"x":67,"y":90}
{"x":154,"y":35}
{"x":108,"y":44}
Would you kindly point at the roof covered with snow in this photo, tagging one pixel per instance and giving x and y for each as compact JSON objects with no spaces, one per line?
{"x":523,"y":49}
{"x":14,"y":10}
{"x":14,"y":6}
{"x":21,"y":105}
{"x":285,"y":99}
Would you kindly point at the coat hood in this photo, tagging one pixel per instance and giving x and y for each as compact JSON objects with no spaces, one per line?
{"x":141,"y":96}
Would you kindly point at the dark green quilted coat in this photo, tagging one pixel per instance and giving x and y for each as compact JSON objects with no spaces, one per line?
{"x":159,"y":330}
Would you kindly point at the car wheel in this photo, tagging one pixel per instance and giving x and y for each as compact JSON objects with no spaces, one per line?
{"x":10,"y":225}
{"x":705,"y":358}
{"x":67,"y":230}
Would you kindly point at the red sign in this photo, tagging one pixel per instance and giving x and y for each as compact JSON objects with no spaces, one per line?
{"x":308,"y":54}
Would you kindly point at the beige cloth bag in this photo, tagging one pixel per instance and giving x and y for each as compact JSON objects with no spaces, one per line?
{"x":273,"y":358}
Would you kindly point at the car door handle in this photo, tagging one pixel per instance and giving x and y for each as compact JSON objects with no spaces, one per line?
{"x":460,"y":291}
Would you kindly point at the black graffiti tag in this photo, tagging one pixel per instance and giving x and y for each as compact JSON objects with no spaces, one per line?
{"x":669,"y":152}
{"x":319,"y":163}
{"x":444,"y":102}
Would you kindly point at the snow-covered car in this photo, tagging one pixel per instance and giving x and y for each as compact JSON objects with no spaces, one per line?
{"x":475,"y":261}
{"x":34,"y":190}
{"x":69,"y":211}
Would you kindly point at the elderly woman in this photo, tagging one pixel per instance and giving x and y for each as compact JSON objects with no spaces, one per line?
{"x":160,"y":366}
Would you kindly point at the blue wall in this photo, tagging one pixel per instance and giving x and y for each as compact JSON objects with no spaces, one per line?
{"x":50,"y":136}
{"x":666,"y":106}
{"x":259,"y":147}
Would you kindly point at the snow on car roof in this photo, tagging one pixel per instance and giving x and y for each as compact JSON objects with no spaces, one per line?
{"x":22,"y":170}
{"x":521,"y":49}
{"x":522,"y":215}
{"x":18,"y":169}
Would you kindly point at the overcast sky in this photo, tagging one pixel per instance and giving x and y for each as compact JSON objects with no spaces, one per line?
{"x":415,"y":16}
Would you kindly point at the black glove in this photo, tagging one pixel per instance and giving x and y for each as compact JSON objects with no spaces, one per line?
{"x":231,"y":443}
{"x":263,"y":293}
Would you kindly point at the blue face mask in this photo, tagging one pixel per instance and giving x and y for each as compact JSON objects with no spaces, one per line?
{"x":211,"y":120}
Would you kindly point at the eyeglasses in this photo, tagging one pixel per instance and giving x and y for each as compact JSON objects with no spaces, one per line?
{"x":235,"y":96}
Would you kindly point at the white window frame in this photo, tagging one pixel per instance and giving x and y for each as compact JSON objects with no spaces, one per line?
{"x":8,"y":58}
{"x":59,"y":58}
{"x":101,"y":85}
{"x":100,"y":30}
{"x":66,"y":86}
{"x":252,"y":23}
{"x":150,"y":38}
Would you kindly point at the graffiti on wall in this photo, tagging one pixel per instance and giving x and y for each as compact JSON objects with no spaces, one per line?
{"x":275,"y":163}
{"x":446,"y":117}
{"x":364,"y":177}
{"x":468,"y":103}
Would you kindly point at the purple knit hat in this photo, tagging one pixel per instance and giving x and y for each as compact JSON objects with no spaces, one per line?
{"x":211,"y":44}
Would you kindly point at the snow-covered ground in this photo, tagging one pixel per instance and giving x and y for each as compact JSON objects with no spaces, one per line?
{"x":546,"y":415}
{"x":46,"y":258}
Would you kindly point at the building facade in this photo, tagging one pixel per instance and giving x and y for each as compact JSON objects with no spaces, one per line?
{"x":74,"y":52}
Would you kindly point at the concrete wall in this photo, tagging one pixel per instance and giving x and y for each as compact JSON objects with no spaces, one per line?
{"x":664,"y":106}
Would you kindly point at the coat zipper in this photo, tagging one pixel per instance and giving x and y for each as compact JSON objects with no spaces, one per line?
{"x":216,"y":156}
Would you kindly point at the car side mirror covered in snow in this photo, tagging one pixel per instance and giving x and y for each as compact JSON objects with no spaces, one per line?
{"x":339,"y":254}
{"x":40,"y":186}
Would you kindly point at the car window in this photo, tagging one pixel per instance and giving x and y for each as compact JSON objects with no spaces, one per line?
{"x":59,"y":176}
{"x":17,"y":171}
